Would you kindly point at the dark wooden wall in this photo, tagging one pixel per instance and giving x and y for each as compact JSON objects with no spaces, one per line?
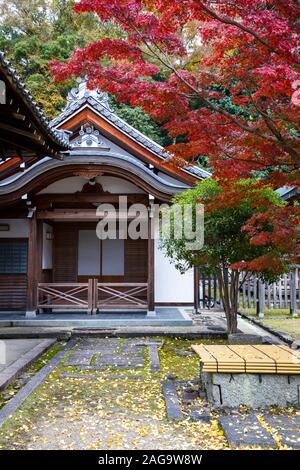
{"x":13,"y":291}
{"x":136,"y":260}
{"x":65,"y":249}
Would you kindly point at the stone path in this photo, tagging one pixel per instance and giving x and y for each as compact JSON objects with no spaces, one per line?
{"x":262,"y":429}
{"x":246,"y":431}
{"x":129,"y":393}
{"x":100,"y":354}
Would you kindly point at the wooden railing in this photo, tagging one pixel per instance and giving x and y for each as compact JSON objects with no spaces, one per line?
{"x":127,"y":295}
{"x":92,"y":296}
{"x":77,"y":296}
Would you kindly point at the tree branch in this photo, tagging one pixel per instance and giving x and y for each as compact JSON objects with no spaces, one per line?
{"x":226,"y":20}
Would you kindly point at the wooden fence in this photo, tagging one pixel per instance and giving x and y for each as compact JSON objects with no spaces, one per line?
{"x":283,"y":294}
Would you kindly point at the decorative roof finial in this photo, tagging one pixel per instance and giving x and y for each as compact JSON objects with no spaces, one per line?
{"x":82,"y":92}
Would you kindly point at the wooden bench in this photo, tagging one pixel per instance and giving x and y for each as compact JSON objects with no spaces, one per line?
{"x":252,"y":375}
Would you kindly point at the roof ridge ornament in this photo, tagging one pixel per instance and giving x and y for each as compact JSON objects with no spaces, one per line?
{"x":83,"y":92}
{"x":90,"y":137}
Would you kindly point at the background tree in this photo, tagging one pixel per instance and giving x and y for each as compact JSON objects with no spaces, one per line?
{"x":34,"y":32}
{"x":231,"y":251}
{"x":218,"y":74}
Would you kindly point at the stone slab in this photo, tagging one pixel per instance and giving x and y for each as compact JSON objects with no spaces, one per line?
{"x":286,"y":427}
{"x":290,"y":438}
{"x":106,"y":377}
{"x":120,"y":360}
{"x":296,"y":344}
{"x":154,"y":363}
{"x":99,"y":344}
{"x":78,"y":357}
{"x":282,"y":421}
{"x":198,"y":416}
{"x":246,"y":431}
{"x":174,"y":412}
{"x":33,"y":383}
{"x":108,"y":366}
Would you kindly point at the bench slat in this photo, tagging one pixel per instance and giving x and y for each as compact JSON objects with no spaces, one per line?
{"x":269,"y":359}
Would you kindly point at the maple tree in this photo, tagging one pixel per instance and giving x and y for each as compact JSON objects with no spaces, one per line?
{"x":233,"y":248}
{"x":218,"y":75}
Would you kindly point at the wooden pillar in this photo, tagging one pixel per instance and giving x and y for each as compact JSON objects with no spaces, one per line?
{"x":39,"y":260}
{"x":196,"y":290}
{"x":33,"y":267}
{"x":261,"y":299}
{"x":293,"y":292}
{"x":151,"y":265}
{"x":92,"y":291}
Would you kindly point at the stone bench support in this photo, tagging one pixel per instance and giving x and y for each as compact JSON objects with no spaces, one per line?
{"x":253,"y":390}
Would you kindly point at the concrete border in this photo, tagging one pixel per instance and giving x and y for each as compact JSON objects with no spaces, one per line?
{"x":285,"y":337}
{"x":33,"y":383}
{"x":14,"y":332}
{"x":183,"y":333}
{"x":10,"y":373}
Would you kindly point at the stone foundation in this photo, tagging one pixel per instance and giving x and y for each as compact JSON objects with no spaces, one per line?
{"x":253,"y":390}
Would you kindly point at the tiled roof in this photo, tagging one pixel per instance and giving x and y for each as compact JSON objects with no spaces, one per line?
{"x":286,"y":192}
{"x":14,"y":79}
{"x":99,"y":101}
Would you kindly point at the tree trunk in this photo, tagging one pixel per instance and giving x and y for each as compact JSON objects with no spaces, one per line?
{"x":229,"y":291}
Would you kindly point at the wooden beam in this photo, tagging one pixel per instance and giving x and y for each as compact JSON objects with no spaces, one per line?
{"x":44,"y":201}
{"x":78,"y":214}
{"x":17,"y":131}
{"x":8,"y":112}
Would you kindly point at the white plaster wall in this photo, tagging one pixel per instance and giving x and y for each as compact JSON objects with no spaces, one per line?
{"x":88,"y":253}
{"x":118,"y":185}
{"x":65,"y":186}
{"x":18,"y":228}
{"x":73,"y":184}
{"x":113,"y":257}
{"x":170,"y":284}
{"x":47,"y":247}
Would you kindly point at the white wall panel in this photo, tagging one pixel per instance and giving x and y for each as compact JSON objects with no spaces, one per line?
{"x":88,"y":253}
{"x":113,"y":258}
{"x":74,"y":184}
{"x":170,"y":285}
